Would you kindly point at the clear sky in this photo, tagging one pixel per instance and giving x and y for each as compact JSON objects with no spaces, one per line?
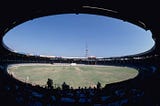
{"x":68,"y":35}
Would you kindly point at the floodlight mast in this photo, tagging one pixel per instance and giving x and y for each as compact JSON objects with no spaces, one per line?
{"x":86,"y":50}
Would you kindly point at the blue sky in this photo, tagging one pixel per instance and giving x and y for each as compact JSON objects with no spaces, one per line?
{"x":67,"y":35}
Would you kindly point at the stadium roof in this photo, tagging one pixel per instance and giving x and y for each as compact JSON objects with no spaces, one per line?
{"x":144,"y":13}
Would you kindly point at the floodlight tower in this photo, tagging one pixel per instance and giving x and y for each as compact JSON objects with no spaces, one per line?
{"x":86,"y":51}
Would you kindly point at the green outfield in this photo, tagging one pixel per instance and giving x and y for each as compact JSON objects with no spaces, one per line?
{"x":75,"y":76}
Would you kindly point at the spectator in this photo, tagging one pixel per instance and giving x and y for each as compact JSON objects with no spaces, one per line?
{"x":50,"y":83}
{"x":98,"y":85}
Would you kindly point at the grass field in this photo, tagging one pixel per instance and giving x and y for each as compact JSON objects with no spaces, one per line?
{"x":75,"y":76}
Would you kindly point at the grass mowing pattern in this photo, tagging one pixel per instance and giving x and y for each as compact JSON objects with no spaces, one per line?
{"x":75,"y":76}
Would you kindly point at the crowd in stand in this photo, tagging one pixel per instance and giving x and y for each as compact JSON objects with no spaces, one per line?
{"x":135,"y":92}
